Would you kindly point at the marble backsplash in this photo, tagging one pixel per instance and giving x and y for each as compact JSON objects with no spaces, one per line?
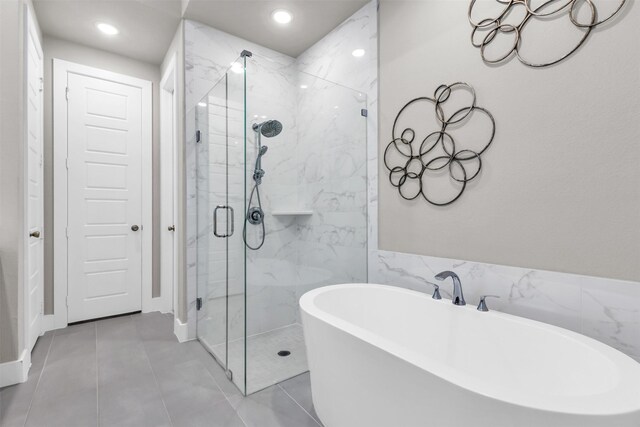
{"x":604,"y":309}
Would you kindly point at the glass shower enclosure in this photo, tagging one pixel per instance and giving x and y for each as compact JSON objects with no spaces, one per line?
{"x":281,"y":210}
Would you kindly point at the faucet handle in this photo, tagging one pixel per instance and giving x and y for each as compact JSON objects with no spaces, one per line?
{"x":436,"y":291}
{"x":482,"y":306}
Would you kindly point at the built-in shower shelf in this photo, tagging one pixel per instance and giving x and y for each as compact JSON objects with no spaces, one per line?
{"x":293,"y":212}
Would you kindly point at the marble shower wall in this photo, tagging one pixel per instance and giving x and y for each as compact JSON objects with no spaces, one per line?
{"x":271,"y":300}
{"x":339,"y":179}
{"x":209,"y":53}
{"x":318,"y":163}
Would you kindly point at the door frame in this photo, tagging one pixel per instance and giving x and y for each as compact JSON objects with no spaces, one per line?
{"x":168,"y":186}
{"x":61,"y":69}
{"x":31,"y":33}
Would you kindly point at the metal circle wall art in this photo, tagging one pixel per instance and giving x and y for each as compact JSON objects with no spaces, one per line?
{"x":507,"y":23}
{"x":412,"y":158}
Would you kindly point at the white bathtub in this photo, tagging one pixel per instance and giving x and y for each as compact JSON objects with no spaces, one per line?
{"x":389,"y":357}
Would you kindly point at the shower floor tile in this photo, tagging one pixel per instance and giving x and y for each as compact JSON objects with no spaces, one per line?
{"x":264,"y":366}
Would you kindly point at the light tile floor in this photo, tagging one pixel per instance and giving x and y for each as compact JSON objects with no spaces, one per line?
{"x":264,"y":367}
{"x":131,"y":371}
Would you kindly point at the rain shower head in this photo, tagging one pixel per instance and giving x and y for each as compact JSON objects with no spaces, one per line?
{"x":269,"y":128}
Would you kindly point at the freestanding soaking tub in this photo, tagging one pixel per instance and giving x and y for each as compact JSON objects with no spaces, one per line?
{"x":382,"y":356}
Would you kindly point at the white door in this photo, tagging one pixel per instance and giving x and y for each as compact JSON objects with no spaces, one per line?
{"x":104,"y":140}
{"x":34,"y":205}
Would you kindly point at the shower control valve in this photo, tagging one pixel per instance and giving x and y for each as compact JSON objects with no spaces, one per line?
{"x":256,"y":216}
{"x":258,"y":175}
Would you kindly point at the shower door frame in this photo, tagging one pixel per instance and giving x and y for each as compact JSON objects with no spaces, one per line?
{"x":230,"y":228}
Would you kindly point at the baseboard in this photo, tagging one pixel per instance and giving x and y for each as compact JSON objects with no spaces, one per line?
{"x":180,"y":330}
{"x":49,"y":323}
{"x":161,"y":304}
{"x":16,"y":371}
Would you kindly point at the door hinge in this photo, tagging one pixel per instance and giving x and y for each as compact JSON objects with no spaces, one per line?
{"x":364,"y":112}
{"x":41,"y":84}
{"x":66,"y":93}
{"x":66,"y":232}
{"x":67,"y":300}
{"x":198,"y":138}
{"x":198,"y":303}
{"x":66,"y":163}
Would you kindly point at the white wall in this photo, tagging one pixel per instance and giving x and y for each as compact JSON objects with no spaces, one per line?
{"x":11,"y":171}
{"x":559,"y":187}
{"x":68,"y":51}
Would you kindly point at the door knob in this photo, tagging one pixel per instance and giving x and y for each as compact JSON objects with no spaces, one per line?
{"x":171,"y":228}
{"x":135,"y":228}
{"x":35,"y":234}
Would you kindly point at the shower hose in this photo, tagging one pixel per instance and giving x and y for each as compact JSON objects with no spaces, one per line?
{"x":256,"y":191}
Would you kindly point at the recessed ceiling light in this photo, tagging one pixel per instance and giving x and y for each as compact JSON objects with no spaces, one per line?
{"x":282,"y":16}
{"x":237,"y":67}
{"x":303,"y":86}
{"x":358,"y":53}
{"x":202,"y":104}
{"x":107,"y":29}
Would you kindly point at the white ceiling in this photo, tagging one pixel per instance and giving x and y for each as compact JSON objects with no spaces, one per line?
{"x":148,"y":26}
{"x":251,"y":20}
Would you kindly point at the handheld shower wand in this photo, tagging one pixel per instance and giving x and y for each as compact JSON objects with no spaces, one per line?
{"x":255,"y":214}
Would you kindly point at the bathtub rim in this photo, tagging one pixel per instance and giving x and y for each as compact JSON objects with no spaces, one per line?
{"x":622,"y":399}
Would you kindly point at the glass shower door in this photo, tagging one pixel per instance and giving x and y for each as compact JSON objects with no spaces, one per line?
{"x":220,"y":135}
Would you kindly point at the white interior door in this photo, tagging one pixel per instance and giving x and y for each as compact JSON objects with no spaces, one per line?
{"x":34,"y":206}
{"x":104,"y":230}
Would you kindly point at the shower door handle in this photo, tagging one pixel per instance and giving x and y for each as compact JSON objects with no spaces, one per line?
{"x":215,"y":221}
{"x":232,"y":221}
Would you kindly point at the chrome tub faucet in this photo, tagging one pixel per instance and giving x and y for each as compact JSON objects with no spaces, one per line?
{"x":458,"y":297}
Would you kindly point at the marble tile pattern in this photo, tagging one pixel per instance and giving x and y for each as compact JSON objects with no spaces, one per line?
{"x":339,"y":178}
{"x":331,"y":59}
{"x":604,"y":309}
{"x":209,"y":54}
{"x":319,"y":162}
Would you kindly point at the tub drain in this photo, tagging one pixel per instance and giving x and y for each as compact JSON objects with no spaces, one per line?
{"x":283,"y":353}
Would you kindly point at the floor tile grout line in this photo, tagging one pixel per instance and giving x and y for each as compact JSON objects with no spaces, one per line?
{"x":215,"y":381}
{"x":239,"y":416}
{"x":297,"y":403}
{"x":153,"y":372}
{"x":44,"y":364}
